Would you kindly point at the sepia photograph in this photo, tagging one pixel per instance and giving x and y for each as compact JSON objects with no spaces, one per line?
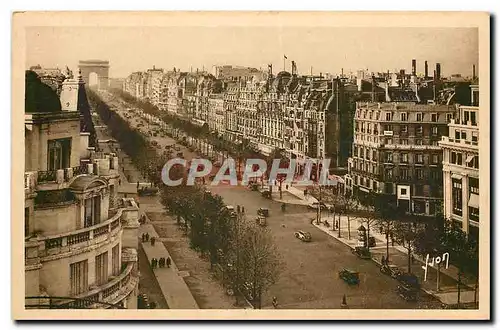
{"x":251,"y":165}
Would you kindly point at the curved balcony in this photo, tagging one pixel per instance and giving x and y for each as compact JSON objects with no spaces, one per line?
{"x":105,"y":296}
{"x":78,"y":239}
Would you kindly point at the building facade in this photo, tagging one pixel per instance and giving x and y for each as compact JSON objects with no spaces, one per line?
{"x":80,"y":239}
{"x":461,"y":170}
{"x":396,"y":153}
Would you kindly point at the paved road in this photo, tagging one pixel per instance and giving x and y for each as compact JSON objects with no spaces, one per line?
{"x":310,"y":278}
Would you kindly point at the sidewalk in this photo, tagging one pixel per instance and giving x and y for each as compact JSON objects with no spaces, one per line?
{"x":398,"y":256}
{"x":292,"y":195}
{"x":170,"y":280}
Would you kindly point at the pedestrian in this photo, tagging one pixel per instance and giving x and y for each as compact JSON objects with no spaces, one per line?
{"x":383,"y":260}
{"x":381,"y":229}
{"x":119,"y":182}
{"x":242,"y":209}
{"x":143,"y":237}
{"x":162,"y":262}
{"x":275,"y":302}
{"x":153,"y":263}
{"x":286,"y":187}
{"x":153,"y":241}
{"x":169,"y":262}
{"x":147,"y":237}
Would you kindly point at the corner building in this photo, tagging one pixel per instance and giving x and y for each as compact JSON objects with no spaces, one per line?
{"x":80,"y":239}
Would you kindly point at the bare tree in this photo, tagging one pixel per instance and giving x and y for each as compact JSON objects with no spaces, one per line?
{"x":260,"y":261}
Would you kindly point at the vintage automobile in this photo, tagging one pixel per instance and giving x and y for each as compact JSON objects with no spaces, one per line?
{"x":266,"y":194}
{"x":263,"y":212}
{"x":362,"y":252}
{"x":304,"y":236}
{"x":408,"y":293}
{"x":253,"y":186}
{"x":147,"y":191}
{"x":261,"y":221}
{"x":409,"y":280}
{"x":349,"y":276}
{"x":390,"y":270}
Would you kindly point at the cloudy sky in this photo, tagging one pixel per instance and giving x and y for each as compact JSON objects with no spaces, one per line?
{"x":326,"y":49}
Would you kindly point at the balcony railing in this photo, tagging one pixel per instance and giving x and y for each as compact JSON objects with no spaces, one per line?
{"x":47,"y":176}
{"x":85,"y":234}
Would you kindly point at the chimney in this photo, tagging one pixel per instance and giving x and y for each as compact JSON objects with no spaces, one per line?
{"x":414,"y":67}
{"x":473,"y":71}
{"x":426,"y":68}
{"x":438,"y":71}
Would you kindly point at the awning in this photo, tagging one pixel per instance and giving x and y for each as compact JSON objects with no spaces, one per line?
{"x":336,"y":178}
{"x":456,"y":176}
{"x":469,"y":159}
{"x":364,"y":189}
{"x":474,"y":200}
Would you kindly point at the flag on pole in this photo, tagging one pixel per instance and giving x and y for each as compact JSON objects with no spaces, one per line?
{"x":286,"y":58}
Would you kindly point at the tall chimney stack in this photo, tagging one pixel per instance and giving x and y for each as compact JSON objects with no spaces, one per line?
{"x":473,"y":71}
{"x":438,"y":71}
{"x":414,"y":67}
{"x":426,"y":68}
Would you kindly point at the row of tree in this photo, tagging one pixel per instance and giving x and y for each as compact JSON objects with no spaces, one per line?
{"x":243,"y":251}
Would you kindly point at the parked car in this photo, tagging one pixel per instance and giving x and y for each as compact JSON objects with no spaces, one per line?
{"x":349,"y":276}
{"x":304,"y":236}
{"x":409,"y":280}
{"x":390,"y":270}
{"x":147,"y":191}
{"x":362,"y":252}
{"x":263,"y":212}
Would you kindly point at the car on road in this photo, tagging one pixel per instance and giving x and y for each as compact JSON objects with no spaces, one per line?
{"x":362,"y":252}
{"x":304,"y":236}
{"x":176,"y":148}
{"x":391,"y":270}
{"x":409,"y":280}
{"x":323,"y":206}
{"x":349,"y":276}
{"x":266,"y":194}
{"x":408,"y":293}
{"x":263,"y":212}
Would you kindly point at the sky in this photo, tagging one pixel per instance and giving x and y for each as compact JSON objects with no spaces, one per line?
{"x":325,"y":49}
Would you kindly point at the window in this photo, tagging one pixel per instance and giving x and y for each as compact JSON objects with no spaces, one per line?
{"x":404,"y":129}
{"x":404,"y":116}
{"x":388,"y":157}
{"x":101,"y":268}
{"x":92,"y":211}
{"x":456,"y":158}
{"x":419,"y":116}
{"x":475,"y":136}
{"x":115,"y":254}
{"x":388,"y":116}
{"x":419,"y":173}
{"x":435,"y":175}
{"x":404,"y":158}
{"x":457,"y":196}
{"x":457,"y":135}
{"x":473,"y":185}
{"x":388,"y":173}
{"x":404,"y":142}
{"x":79,"y":277}
{"x":435,"y":159}
{"x":449,"y":117}
{"x":375,"y":187}
{"x":26,"y":221}
{"x":434,"y":117}
{"x":387,"y":127}
{"x":472,"y":161}
{"x":403,"y":173}
{"x":463,"y":135}
{"x":466,"y":117}
{"x":419,"y":142}
{"x":420,"y":159}
{"x":388,"y":141}
{"x":59,"y":154}
{"x":419,"y":129}
{"x":434,"y":130}
{"x":473,"y":118}
{"x":374,"y":154}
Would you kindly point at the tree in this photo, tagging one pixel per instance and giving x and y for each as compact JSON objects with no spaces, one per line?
{"x":260,"y":261}
{"x":463,"y":251}
{"x":369,"y":218}
{"x":388,"y":214}
{"x":405,"y":233}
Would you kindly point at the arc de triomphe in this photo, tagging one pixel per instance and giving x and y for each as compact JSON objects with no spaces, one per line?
{"x":100,"y":67}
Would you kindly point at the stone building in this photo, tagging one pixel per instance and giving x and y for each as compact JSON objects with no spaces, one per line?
{"x":396,"y":153}
{"x":461,"y":169}
{"x":80,"y":239}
